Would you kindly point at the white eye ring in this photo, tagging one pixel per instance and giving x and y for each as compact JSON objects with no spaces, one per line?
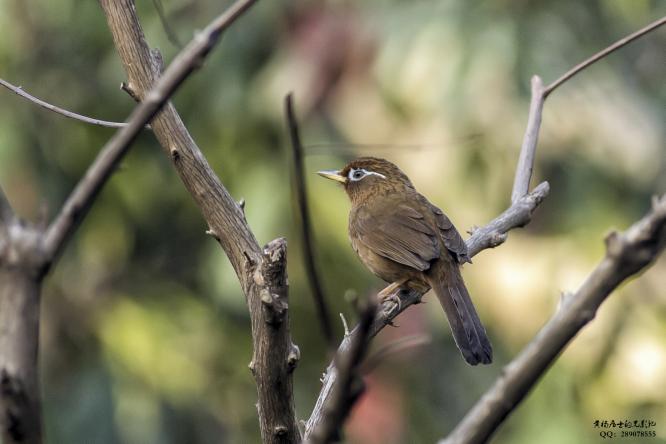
{"x":357,"y":174}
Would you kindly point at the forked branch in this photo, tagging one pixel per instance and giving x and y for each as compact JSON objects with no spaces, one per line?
{"x":274,"y":357}
{"x":627,"y":254}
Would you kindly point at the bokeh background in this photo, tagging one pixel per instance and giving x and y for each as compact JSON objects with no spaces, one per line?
{"x":145,"y":333}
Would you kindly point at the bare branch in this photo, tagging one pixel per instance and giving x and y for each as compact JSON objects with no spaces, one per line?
{"x":350,"y":384}
{"x":525,"y":165}
{"x":306,"y":227}
{"x":627,"y":254}
{"x":275,"y":357}
{"x":521,"y":182}
{"x":601,"y":54}
{"x":82,"y":197}
{"x":225,"y":219}
{"x":517,"y":215}
{"x":63,"y":112}
{"x":21,"y":274}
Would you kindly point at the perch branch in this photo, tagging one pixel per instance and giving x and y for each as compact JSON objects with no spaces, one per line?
{"x":63,"y":112}
{"x":350,"y":384}
{"x":306,"y":227}
{"x":226,"y":222}
{"x":627,"y":254}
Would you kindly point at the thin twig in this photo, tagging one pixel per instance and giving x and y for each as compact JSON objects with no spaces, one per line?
{"x":63,"y":112}
{"x":627,"y":254}
{"x":170,"y":33}
{"x":345,"y":326}
{"x":525,"y":165}
{"x":601,"y":54}
{"x":350,"y":384}
{"x":81,"y":198}
{"x":306,"y":227}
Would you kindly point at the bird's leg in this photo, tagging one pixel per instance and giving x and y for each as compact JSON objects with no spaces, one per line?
{"x":390,"y":293}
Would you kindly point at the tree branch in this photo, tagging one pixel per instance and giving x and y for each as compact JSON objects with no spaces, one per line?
{"x":350,"y":384}
{"x":525,"y":165}
{"x":26,"y":251}
{"x":603,"y":53}
{"x":226,"y":223}
{"x":306,"y":227}
{"x":21,"y":274}
{"x":81,"y":198}
{"x":521,"y":182}
{"x":627,"y":254}
{"x":63,"y":112}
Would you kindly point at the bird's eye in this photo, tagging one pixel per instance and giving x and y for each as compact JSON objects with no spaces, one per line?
{"x":357,"y":174}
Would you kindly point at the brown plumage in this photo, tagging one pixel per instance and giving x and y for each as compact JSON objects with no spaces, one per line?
{"x":407,"y":241}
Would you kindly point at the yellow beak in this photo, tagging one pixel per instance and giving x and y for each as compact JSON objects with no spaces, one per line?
{"x":333,"y":175}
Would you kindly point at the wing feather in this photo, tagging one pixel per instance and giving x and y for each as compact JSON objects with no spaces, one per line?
{"x":402,"y":235}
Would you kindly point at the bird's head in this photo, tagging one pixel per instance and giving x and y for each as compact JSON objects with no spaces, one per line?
{"x":367,"y":176}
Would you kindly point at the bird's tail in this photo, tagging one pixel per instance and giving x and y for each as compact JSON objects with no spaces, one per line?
{"x":470,"y":336}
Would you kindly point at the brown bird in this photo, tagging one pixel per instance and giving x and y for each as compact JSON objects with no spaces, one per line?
{"x":410,"y":243}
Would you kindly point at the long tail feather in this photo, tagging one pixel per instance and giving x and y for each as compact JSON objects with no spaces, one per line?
{"x":468,"y":332}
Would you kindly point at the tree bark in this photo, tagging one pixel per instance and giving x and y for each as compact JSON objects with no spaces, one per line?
{"x":21,"y":272}
{"x":275,"y":357}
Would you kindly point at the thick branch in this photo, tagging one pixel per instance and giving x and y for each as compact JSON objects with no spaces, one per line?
{"x":350,"y":385}
{"x":306,"y":226}
{"x":26,"y":252}
{"x":627,"y":254}
{"x":187,"y":61}
{"x":222,"y":213}
{"x":275,"y":356}
{"x":20,"y":283}
{"x":224,"y":216}
{"x":63,"y":112}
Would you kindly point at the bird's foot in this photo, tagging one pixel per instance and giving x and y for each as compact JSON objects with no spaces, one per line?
{"x":391,"y":302}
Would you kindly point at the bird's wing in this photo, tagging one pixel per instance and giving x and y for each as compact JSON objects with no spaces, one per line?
{"x":398,"y":233}
{"x":452,"y":239}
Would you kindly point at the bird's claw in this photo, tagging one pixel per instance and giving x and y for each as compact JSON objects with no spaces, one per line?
{"x":391,"y":302}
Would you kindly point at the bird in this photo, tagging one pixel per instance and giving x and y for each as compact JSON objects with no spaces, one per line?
{"x":410,"y":243}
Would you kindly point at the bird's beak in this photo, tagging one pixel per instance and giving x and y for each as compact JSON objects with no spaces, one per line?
{"x":333,"y":175}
